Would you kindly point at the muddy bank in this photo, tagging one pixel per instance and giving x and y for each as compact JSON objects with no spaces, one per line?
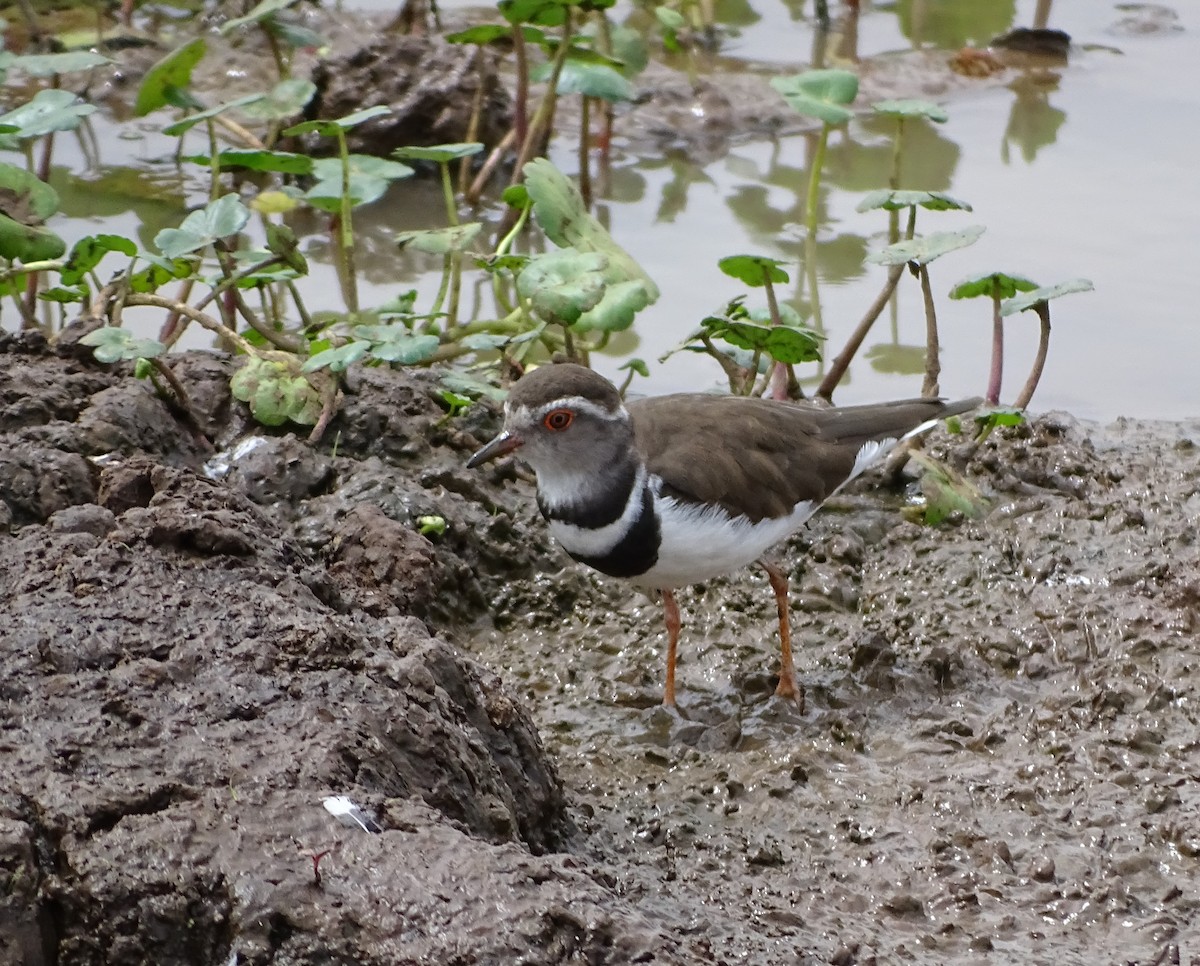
{"x":999,"y":756}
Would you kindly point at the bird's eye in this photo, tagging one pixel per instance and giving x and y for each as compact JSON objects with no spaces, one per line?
{"x":558,"y":419}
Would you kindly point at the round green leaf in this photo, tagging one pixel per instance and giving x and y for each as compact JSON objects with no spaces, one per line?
{"x":50,"y":110}
{"x":47,"y":65}
{"x":893,"y":200}
{"x":928,"y":247}
{"x":593,"y":80}
{"x":993,"y":285}
{"x":330,"y":128}
{"x":1029,"y":299}
{"x":440,"y":241}
{"x":286,"y":99}
{"x":171,"y":74}
{"x":183,"y":125}
{"x":264,"y":10}
{"x":284,"y":162}
{"x":112,"y":344}
{"x":219,"y":219}
{"x":912,"y":108}
{"x":820,"y":93}
{"x":753,"y":270}
{"x":440,"y":153}
{"x":562,"y":285}
{"x":25,"y":202}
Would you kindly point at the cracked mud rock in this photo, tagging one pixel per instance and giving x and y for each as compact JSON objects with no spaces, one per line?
{"x":998,"y":758}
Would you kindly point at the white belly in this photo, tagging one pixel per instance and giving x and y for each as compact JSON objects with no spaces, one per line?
{"x":699,"y":543}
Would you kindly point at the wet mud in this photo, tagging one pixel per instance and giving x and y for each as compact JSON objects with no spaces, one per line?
{"x":205,"y":634}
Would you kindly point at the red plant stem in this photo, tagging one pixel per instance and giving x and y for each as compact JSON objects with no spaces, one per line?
{"x":1039,"y":362}
{"x":993,"y":390}
{"x":854,"y":343}
{"x":933,"y":364}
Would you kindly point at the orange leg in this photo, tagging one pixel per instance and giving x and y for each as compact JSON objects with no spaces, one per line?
{"x":671,"y":612}
{"x":787,"y":687}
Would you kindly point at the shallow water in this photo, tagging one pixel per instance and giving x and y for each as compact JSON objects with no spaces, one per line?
{"x":1077,"y":170}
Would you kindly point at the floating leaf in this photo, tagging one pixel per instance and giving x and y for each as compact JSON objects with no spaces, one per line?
{"x":925,"y":249}
{"x":1031,"y":298}
{"x":440,"y":153}
{"x":50,"y":110}
{"x":912,"y":108}
{"x":219,"y":219}
{"x":754,"y":270}
{"x":330,"y":129}
{"x":113,"y":344}
{"x":440,"y":241}
{"x":820,"y":93}
{"x":992,"y":284}
{"x":276,"y":202}
{"x":167,"y":81}
{"x":892,"y":200}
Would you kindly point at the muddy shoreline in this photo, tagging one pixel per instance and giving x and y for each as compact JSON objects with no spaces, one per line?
{"x":998,"y":759}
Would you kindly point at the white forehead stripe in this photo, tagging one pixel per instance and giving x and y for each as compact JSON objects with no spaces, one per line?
{"x":577,"y":403}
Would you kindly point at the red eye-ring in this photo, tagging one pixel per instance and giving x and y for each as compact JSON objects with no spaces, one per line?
{"x":558,"y":419}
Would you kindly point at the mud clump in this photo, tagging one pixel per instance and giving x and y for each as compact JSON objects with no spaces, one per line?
{"x":208,"y":631}
{"x":184,"y":683}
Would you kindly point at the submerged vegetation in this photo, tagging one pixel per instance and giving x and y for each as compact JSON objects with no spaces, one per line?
{"x":568,"y":294}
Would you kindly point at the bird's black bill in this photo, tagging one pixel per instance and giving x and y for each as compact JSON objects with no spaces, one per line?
{"x":501,"y":445}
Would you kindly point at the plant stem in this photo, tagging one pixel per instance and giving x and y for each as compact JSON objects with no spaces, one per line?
{"x":994,"y":378}
{"x":854,"y":343}
{"x":539,"y":129}
{"x":1039,"y":362}
{"x":464,"y":166}
{"x":182,"y":400}
{"x":489,"y":166}
{"x":214,"y":162}
{"x":933,"y":365}
{"x":521,"y":100}
{"x":585,"y":172}
{"x":345,"y":228}
{"x":200,"y":318}
{"x":814,"y":180}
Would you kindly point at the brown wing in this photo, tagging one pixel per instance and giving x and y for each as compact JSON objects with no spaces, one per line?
{"x":759,"y":458}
